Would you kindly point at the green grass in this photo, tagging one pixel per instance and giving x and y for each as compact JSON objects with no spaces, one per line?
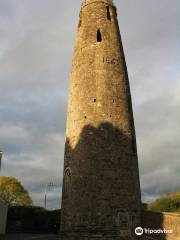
{"x":166,"y":203}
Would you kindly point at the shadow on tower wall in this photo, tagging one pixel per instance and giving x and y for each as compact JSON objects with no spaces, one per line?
{"x":103,"y":161}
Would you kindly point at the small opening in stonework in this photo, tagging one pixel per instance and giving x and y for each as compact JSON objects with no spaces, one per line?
{"x":108,"y":13}
{"x":80,"y":20}
{"x":113,"y":100}
{"x":94,"y":100}
{"x":99,"y":38}
{"x":85,"y":117}
{"x":67,"y":181}
{"x":79,"y":25}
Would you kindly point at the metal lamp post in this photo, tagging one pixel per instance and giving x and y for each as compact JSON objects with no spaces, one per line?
{"x":48,"y":185}
{"x":1,"y":154}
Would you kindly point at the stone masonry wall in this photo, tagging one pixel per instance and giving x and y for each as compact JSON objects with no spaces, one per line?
{"x":3,"y":217}
{"x":168,"y":221}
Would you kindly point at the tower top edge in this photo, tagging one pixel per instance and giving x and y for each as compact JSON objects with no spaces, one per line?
{"x":108,"y":2}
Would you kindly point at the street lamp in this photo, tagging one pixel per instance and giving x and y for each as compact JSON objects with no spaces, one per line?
{"x":48,"y":185}
{"x":1,"y":153}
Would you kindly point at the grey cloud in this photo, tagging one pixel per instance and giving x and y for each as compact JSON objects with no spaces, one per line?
{"x":35,"y":177}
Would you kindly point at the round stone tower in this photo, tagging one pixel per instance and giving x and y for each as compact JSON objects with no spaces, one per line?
{"x":101,"y":191}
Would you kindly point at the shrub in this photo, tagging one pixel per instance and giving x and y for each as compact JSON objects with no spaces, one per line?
{"x":166,"y":203}
{"x":33,"y":219}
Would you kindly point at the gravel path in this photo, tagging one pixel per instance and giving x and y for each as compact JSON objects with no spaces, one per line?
{"x":29,"y":237}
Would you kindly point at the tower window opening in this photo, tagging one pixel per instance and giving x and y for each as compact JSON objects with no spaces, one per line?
{"x":94,"y":100}
{"x":99,"y":37}
{"x":108,"y":13}
{"x":79,"y":25}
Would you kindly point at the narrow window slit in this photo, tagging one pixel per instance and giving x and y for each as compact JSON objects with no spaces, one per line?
{"x":94,"y":100}
{"x":99,"y":37}
{"x":108,"y":13}
{"x":79,"y":25}
{"x":67,"y":178}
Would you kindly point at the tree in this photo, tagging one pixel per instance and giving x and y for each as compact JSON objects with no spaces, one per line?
{"x":166,"y":203}
{"x":13,"y":193}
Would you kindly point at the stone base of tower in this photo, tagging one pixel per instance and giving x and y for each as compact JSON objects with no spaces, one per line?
{"x":98,"y":234}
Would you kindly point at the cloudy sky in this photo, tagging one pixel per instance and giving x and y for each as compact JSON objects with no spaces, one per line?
{"x":36,"y":44}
